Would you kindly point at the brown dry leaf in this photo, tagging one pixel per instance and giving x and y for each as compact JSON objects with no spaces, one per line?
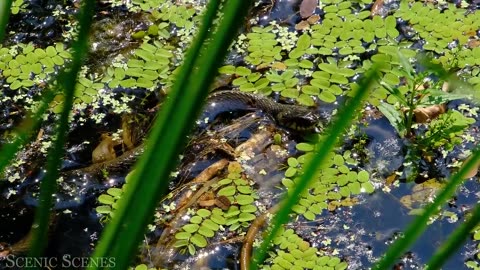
{"x":307,"y":8}
{"x":473,"y":171}
{"x":333,"y":205}
{"x":207,"y":199}
{"x":262,"y":66}
{"x":391,"y":179}
{"x":378,"y":9}
{"x":127,"y":137}
{"x":279,"y":66}
{"x":104,"y":150}
{"x":206,"y":203}
{"x":349,"y":201}
{"x":313,"y":19}
{"x":39,"y":135}
{"x":427,"y":114}
{"x":302,"y":25}
{"x":473,"y":43}
{"x":234,"y":167}
{"x":223,"y":202}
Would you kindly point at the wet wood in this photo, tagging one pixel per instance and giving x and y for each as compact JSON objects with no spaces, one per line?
{"x":211,"y":171}
{"x":257,"y":224}
{"x":255,"y":144}
{"x":427,"y":114}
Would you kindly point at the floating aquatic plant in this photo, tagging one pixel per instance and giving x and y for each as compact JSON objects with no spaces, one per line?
{"x":336,"y":184}
{"x":236,"y":215}
{"x":109,"y":201}
{"x":26,"y":65}
{"x":293,"y":252}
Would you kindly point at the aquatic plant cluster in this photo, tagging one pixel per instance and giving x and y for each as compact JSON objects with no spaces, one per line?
{"x":337,"y":185}
{"x":206,"y":223}
{"x":317,"y":63}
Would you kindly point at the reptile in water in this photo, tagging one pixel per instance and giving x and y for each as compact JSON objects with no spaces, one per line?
{"x":293,"y":117}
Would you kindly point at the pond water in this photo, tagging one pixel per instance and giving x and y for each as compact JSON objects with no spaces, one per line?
{"x":240,"y":159}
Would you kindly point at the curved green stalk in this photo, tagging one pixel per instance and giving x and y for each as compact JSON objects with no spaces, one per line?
{"x":335,"y":130}
{"x":418,"y":226}
{"x":5,"y":6}
{"x":456,"y":239}
{"x":168,"y":136}
{"x":67,"y":81}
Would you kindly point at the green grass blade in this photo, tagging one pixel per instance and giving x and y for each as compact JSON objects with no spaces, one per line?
{"x":418,"y":226}
{"x":326,"y":145}
{"x":67,"y":81}
{"x":455,"y":241}
{"x":5,"y":6}
{"x":203,"y":33}
{"x":168,"y":136}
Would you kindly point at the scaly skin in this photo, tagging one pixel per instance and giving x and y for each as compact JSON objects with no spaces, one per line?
{"x":294,"y":117}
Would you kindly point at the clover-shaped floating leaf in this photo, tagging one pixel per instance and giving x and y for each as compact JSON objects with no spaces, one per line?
{"x":115,"y":192}
{"x":205,"y":231}
{"x":106,"y":199}
{"x":199,"y":240}
{"x":217,"y":217}
{"x":244,"y":189}
{"x":103,"y":209}
{"x":248,"y":208}
{"x":244,"y":217}
{"x":310,"y":90}
{"x":243,"y":199}
{"x":232,"y":211}
{"x":227,"y":191}
{"x":196,"y":219}
{"x":229,"y":69}
{"x":190,"y":228}
{"x":288,"y":183}
{"x":204,"y":213}
{"x":183,"y":236}
{"x":224,"y":181}
{"x":290,"y":172}
{"x":305,"y":147}
{"x":211,"y":225}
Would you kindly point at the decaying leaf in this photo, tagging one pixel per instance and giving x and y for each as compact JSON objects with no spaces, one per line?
{"x":427,"y":114}
{"x":127,"y":133}
{"x":473,"y":43}
{"x":223,"y":202}
{"x":421,"y":194}
{"x":279,"y":66}
{"x":307,"y":8}
{"x":391,"y":179}
{"x":378,"y":9}
{"x":104,"y":150}
{"x":302,"y":25}
{"x":305,"y":24}
{"x":313,"y":19}
{"x":207,"y":199}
